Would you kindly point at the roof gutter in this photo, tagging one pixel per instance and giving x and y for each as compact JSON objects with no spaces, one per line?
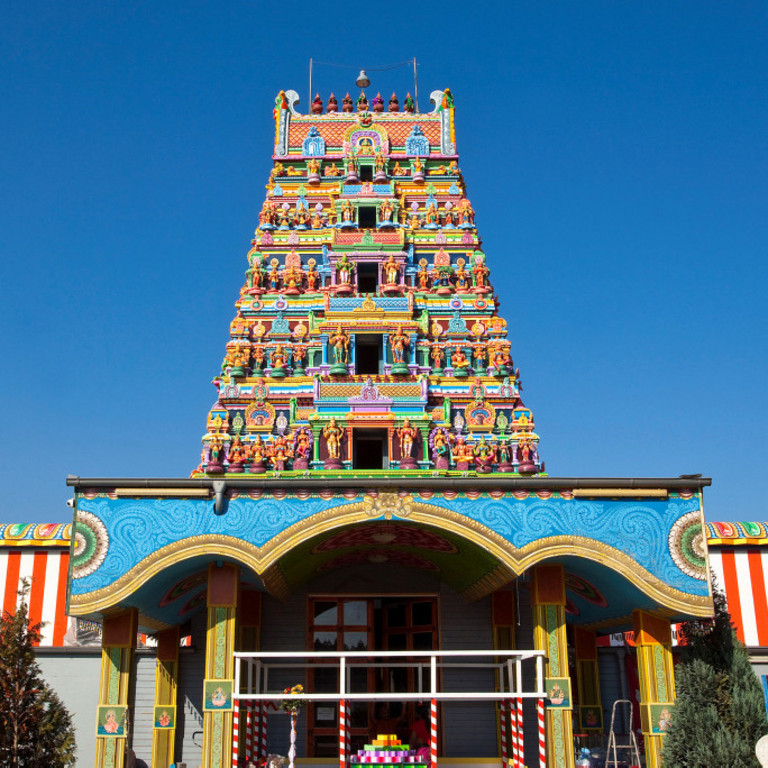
{"x":496,"y":481}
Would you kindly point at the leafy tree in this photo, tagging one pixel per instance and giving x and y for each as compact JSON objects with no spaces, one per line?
{"x":35,"y":727}
{"x":720,"y":712}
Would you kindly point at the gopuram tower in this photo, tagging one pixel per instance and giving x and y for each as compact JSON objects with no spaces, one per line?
{"x":368,"y":337}
{"x":370,"y":527}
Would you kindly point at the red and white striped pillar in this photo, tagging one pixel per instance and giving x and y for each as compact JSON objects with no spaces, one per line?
{"x":342,"y":733}
{"x":516,"y":756}
{"x":262,"y":736}
{"x":248,"y":731}
{"x":235,"y":732}
{"x":542,"y":734}
{"x":433,"y":733}
{"x":503,"y":721}
{"x":520,"y":732}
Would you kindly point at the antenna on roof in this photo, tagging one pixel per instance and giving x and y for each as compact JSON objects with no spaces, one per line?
{"x":363,"y":81}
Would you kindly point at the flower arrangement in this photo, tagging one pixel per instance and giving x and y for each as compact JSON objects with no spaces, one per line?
{"x":292,"y":705}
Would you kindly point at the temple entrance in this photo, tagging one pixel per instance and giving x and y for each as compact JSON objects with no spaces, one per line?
{"x":362,"y":624}
{"x":369,"y":449}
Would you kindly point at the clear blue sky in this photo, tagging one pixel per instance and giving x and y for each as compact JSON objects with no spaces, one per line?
{"x":615,"y":152}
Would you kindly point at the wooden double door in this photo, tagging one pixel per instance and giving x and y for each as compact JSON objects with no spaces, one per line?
{"x":362,"y":624}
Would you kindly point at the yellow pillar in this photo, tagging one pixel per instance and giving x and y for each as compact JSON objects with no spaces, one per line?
{"x":588,"y":681}
{"x":166,"y":674}
{"x":653,"y":639}
{"x":219,"y":665}
{"x":118,"y":643}
{"x":548,"y":598}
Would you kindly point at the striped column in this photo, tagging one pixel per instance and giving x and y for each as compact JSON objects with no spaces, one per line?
{"x":342,"y":733}
{"x":433,"y":733}
{"x":516,"y":756}
{"x":263,"y":729}
{"x":542,"y":734}
{"x":520,"y":732}
{"x":249,"y":728}
{"x":503,"y":722}
{"x":235,"y":731}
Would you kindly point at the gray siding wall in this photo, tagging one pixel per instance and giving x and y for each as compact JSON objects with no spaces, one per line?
{"x":74,"y":675}
{"x":469,"y":727}
{"x":189,"y":697}
{"x":610,"y":664}
{"x":144,"y":700}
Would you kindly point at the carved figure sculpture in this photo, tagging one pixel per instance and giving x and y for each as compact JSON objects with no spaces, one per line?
{"x":484,"y":457}
{"x":339,"y":340}
{"x":407,"y":435}
{"x":258,"y":453}
{"x":399,"y":341}
{"x":333,"y":435}
{"x":459,"y":363}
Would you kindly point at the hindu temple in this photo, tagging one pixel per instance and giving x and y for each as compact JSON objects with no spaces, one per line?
{"x":370,"y":539}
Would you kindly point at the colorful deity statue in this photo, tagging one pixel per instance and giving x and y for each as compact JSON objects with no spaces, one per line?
{"x":317,"y":221}
{"x":463,"y":282}
{"x":437,"y":355}
{"x":417,"y":168}
{"x":302,"y":448}
{"x":380,"y":164}
{"x":466,"y":214}
{"x":480,"y":355}
{"x":459,"y":363}
{"x":332,"y":170}
{"x":398,"y":170}
{"x":525,"y":462}
{"x":409,"y":105}
{"x":238,"y":453}
{"x":259,"y":354}
{"x":441,"y":450}
{"x":299,"y":355}
{"x":480,"y":272}
{"x":280,"y":453}
{"x":386,"y":210}
{"x":313,"y":171}
{"x":344,"y":269}
{"x":278,"y":362}
{"x":274,"y":276}
{"x":391,"y":271}
{"x":415,"y":221}
{"x":484,"y":457}
{"x":333,"y":434}
{"x":362,"y":102}
{"x":255,"y":276}
{"x":463,"y":454}
{"x":312,"y":276}
{"x":258,"y":454}
{"x":267,"y":215}
{"x":215,"y":455}
{"x":399,"y":341}
{"x":422,"y":276}
{"x":394,"y":104}
{"x":292,"y":279}
{"x":432,"y":218}
{"x":407,"y":435}
{"x":501,"y":360}
{"x":378,"y":103}
{"x":347,"y":214}
{"x":339,"y":341}
{"x":503,"y":452}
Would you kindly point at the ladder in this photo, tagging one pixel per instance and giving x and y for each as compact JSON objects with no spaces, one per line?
{"x":611,"y":758}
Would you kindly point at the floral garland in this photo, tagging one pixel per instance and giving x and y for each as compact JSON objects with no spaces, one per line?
{"x":292,"y":705}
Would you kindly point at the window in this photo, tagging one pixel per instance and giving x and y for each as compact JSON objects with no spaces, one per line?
{"x":367,"y":355}
{"x":369,"y":449}
{"x":366,"y":216}
{"x":366,"y":173}
{"x":367,"y":278}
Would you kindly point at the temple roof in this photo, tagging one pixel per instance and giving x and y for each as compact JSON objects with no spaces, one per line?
{"x":367,"y":337}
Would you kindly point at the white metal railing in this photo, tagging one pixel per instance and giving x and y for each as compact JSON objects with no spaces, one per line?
{"x":252,"y":673}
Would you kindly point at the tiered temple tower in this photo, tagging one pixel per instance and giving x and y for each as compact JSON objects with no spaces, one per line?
{"x":367,"y":335}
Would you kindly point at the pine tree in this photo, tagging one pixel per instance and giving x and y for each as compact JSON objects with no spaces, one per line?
{"x":720,"y":712}
{"x":35,"y":727}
